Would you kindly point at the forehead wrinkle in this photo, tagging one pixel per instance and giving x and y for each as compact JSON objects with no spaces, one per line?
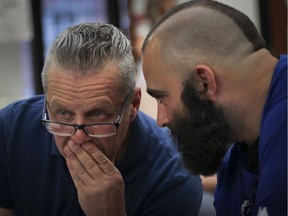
{"x":101,"y":102}
{"x":91,"y":84}
{"x":82,"y":92}
{"x":86,"y":97}
{"x":109,"y":73}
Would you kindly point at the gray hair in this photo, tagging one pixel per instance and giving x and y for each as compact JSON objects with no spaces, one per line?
{"x":88,"y":48}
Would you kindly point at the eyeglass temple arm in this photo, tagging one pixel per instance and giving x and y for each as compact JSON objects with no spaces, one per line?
{"x":120,"y":116}
{"x":44,"y":113}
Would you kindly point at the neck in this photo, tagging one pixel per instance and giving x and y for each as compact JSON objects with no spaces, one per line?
{"x":257,"y":72}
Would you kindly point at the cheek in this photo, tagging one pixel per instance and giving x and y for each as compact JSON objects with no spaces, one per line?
{"x":122,"y":133}
{"x":110,"y":146}
{"x":61,"y":142}
{"x":168,"y":108}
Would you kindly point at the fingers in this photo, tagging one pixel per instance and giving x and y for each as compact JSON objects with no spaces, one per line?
{"x":96,"y":178}
{"x":77,"y":171}
{"x":102,"y":161}
{"x":87,"y":162}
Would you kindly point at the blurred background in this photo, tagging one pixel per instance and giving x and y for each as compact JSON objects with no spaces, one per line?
{"x":27,"y":28}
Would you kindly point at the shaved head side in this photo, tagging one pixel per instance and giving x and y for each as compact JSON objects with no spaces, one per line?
{"x":244,"y":23}
{"x":204,"y":29}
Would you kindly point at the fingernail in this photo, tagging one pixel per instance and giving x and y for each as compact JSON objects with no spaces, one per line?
{"x":72,"y":144}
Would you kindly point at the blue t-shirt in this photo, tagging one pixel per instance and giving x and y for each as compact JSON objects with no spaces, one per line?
{"x":244,"y":189}
{"x":34,"y":179}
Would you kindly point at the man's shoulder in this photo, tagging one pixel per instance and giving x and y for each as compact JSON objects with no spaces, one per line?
{"x":153,"y":146}
{"x":160,"y":136}
{"x":282,"y":64}
{"x":35,"y":101}
{"x":22,"y":111}
{"x":150,"y":126}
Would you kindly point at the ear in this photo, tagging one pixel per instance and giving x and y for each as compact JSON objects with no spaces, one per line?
{"x":135,"y":101}
{"x":205,"y":81}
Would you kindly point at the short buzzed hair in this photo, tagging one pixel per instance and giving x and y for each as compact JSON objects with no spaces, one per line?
{"x":243,"y":21}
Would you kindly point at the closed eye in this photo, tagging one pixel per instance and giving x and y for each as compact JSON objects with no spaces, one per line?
{"x":158,"y":95}
{"x":159,"y":98}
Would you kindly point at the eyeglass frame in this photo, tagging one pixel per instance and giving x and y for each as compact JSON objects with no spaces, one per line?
{"x":116,"y":123}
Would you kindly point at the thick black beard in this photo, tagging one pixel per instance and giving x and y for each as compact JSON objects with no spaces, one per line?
{"x":202,"y":133}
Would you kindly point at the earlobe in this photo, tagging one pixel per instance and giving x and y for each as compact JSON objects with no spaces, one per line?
{"x":205,"y":81}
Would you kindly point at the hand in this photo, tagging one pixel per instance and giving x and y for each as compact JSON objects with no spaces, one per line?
{"x":99,"y":184}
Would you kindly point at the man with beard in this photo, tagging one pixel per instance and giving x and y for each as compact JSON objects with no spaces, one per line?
{"x":216,"y":84}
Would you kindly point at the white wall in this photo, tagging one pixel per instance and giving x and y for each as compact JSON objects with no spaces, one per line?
{"x":16,"y":80}
{"x":9,"y":68}
{"x":248,"y":7}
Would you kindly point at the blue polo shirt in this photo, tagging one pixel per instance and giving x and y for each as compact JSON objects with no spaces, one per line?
{"x":34,"y":179}
{"x":253,"y":182}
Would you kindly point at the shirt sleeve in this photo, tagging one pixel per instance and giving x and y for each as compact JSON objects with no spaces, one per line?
{"x":271,"y":198}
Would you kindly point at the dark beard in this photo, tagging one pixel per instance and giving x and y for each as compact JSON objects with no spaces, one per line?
{"x":202,"y":133}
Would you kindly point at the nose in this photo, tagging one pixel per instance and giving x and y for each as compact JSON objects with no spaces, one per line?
{"x":162,"y":117}
{"x":80,"y":136}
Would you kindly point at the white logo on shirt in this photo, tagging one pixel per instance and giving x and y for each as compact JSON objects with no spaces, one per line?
{"x":262,"y":212}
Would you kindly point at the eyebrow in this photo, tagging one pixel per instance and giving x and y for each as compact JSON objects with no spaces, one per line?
{"x":54,"y":104}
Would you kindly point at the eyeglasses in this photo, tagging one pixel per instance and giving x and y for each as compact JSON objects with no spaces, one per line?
{"x":97,"y":130}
